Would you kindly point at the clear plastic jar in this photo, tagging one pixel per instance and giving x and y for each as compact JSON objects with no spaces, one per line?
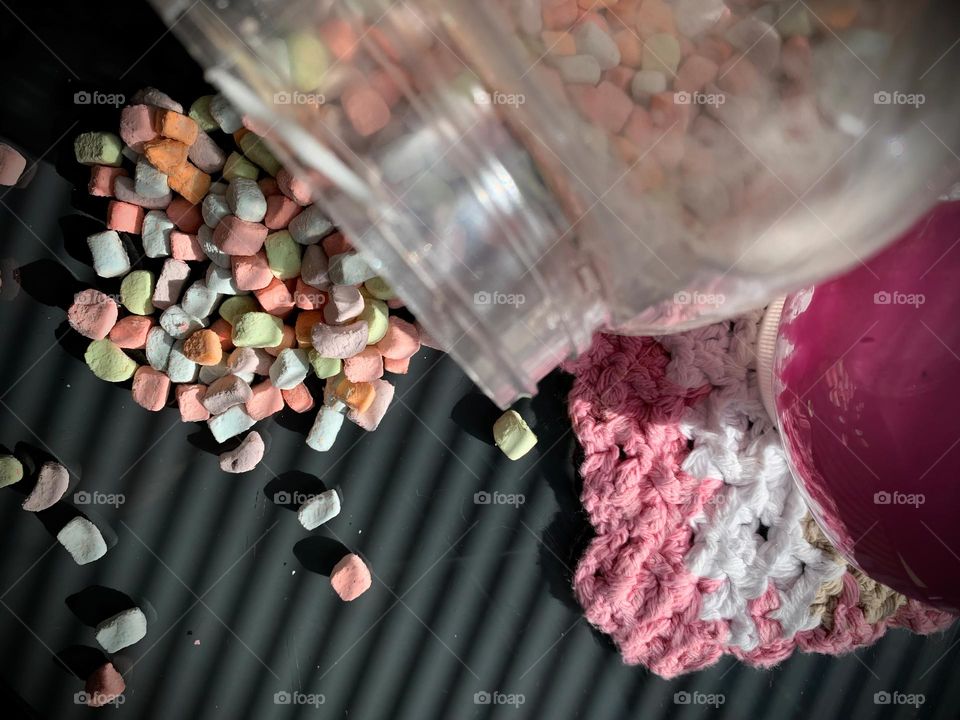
{"x":518,"y":206}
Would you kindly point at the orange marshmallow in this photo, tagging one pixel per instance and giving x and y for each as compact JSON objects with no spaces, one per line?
{"x":190,"y":181}
{"x":631,"y":49}
{"x":558,"y":43}
{"x":356,"y":396}
{"x":176,"y":126}
{"x":203,"y":347}
{"x":306,"y":297}
{"x":166,"y":155}
{"x":305,"y":322}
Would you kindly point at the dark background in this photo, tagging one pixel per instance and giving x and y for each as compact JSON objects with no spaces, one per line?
{"x":466,"y":598}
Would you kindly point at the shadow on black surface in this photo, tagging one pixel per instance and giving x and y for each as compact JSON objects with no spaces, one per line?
{"x":289,"y":490}
{"x":96,"y":603}
{"x":80,"y":660}
{"x":49,"y":282}
{"x":475,"y":414}
{"x":319,"y":554}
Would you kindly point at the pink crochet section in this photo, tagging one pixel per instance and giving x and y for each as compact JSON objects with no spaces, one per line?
{"x":632,"y":581}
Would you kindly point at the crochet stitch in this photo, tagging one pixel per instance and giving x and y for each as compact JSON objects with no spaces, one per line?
{"x":703,"y":544}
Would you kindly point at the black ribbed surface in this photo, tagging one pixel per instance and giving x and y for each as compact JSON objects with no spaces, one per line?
{"x":467,"y":598}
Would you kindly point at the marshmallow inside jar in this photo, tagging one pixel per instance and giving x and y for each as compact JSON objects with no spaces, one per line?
{"x":526,"y":172}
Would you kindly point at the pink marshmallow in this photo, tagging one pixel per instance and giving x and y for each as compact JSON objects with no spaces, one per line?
{"x":138,"y":125}
{"x":370,"y":419}
{"x":150,"y":388}
{"x":605,"y":105}
{"x":186,"y":247}
{"x":293,"y":188}
{"x":350,"y":578}
{"x":238,"y":237}
{"x":170,"y":284}
{"x":93,"y":314}
{"x":190,"y":402}
{"x":124,"y":217}
{"x":401,"y":341}
{"x":102,"y":178}
{"x":251,"y":272}
{"x":365,"y":366}
{"x":12,"y":165}
{"x":280,"y":211}
{"x":265,"y":401}
{"x":185,"y":215}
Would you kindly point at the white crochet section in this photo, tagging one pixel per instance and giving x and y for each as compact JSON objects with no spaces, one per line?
{"x":734,"y":440}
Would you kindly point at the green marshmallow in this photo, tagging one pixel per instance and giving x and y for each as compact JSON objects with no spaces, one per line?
{"x":309,"y":60}
{"x":136,"y":292}
{"x":378,"y":288}
{"x":513,"y":436}
{"x":324,"y":367}
{"x":256,"y":150}
{"x":234,"y":307}
{"x":661,"y":52}
{"x":257,"y":330}
{"x":238,"y":166}
{"x":11,"y":471}
{"x":108,"y":362}
{"x":200,"y":113}
{"x":98,"y":148}
{"x":283,"y":255}
{"x":377,"y":316}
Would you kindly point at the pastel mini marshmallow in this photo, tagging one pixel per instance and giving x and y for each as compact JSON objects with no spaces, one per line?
{"x":122,"y":630}
{"x":180,"y":368}
{"x":246,"y":200}
{"x":110,"y":257}
{"x":220,"y":280}
{"x":180,"y":324}
{"x":239,"y":237}
{"x":190,"y":402}
{"x":225,"y":393}
{"x":310,"y":226}
{"x":214,"y":208}
{"x":350,"y":578}
{"x":83,"y":540}
{"x":319,"y":509}
{"x":369,"y":418}
{"x":151,"y":388}
{"x":93,"y":314}
{"x":206,"y":154}
{"x":289,"y":369}
{"x":314,"y":267}
{"x":402,"y":340}
{"x":156,"y":234}
{"x":349,"y":269}
{"x":323,"y":433}
{"x":210,"y":249}
{"x":229,"y":424}
{"x":123,"y":189}
{"x":365,"y":366}
{"x":173,"y":276}
{"x":158,"y":347}
{"x":246,"y":456}
{"x":344,"y":304}
{"x":339,"y":341}
{"x":51,"y":485}
{"x":148,"y":181}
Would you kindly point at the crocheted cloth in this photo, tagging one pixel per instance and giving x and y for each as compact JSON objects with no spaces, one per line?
{"x":703,"y":545}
